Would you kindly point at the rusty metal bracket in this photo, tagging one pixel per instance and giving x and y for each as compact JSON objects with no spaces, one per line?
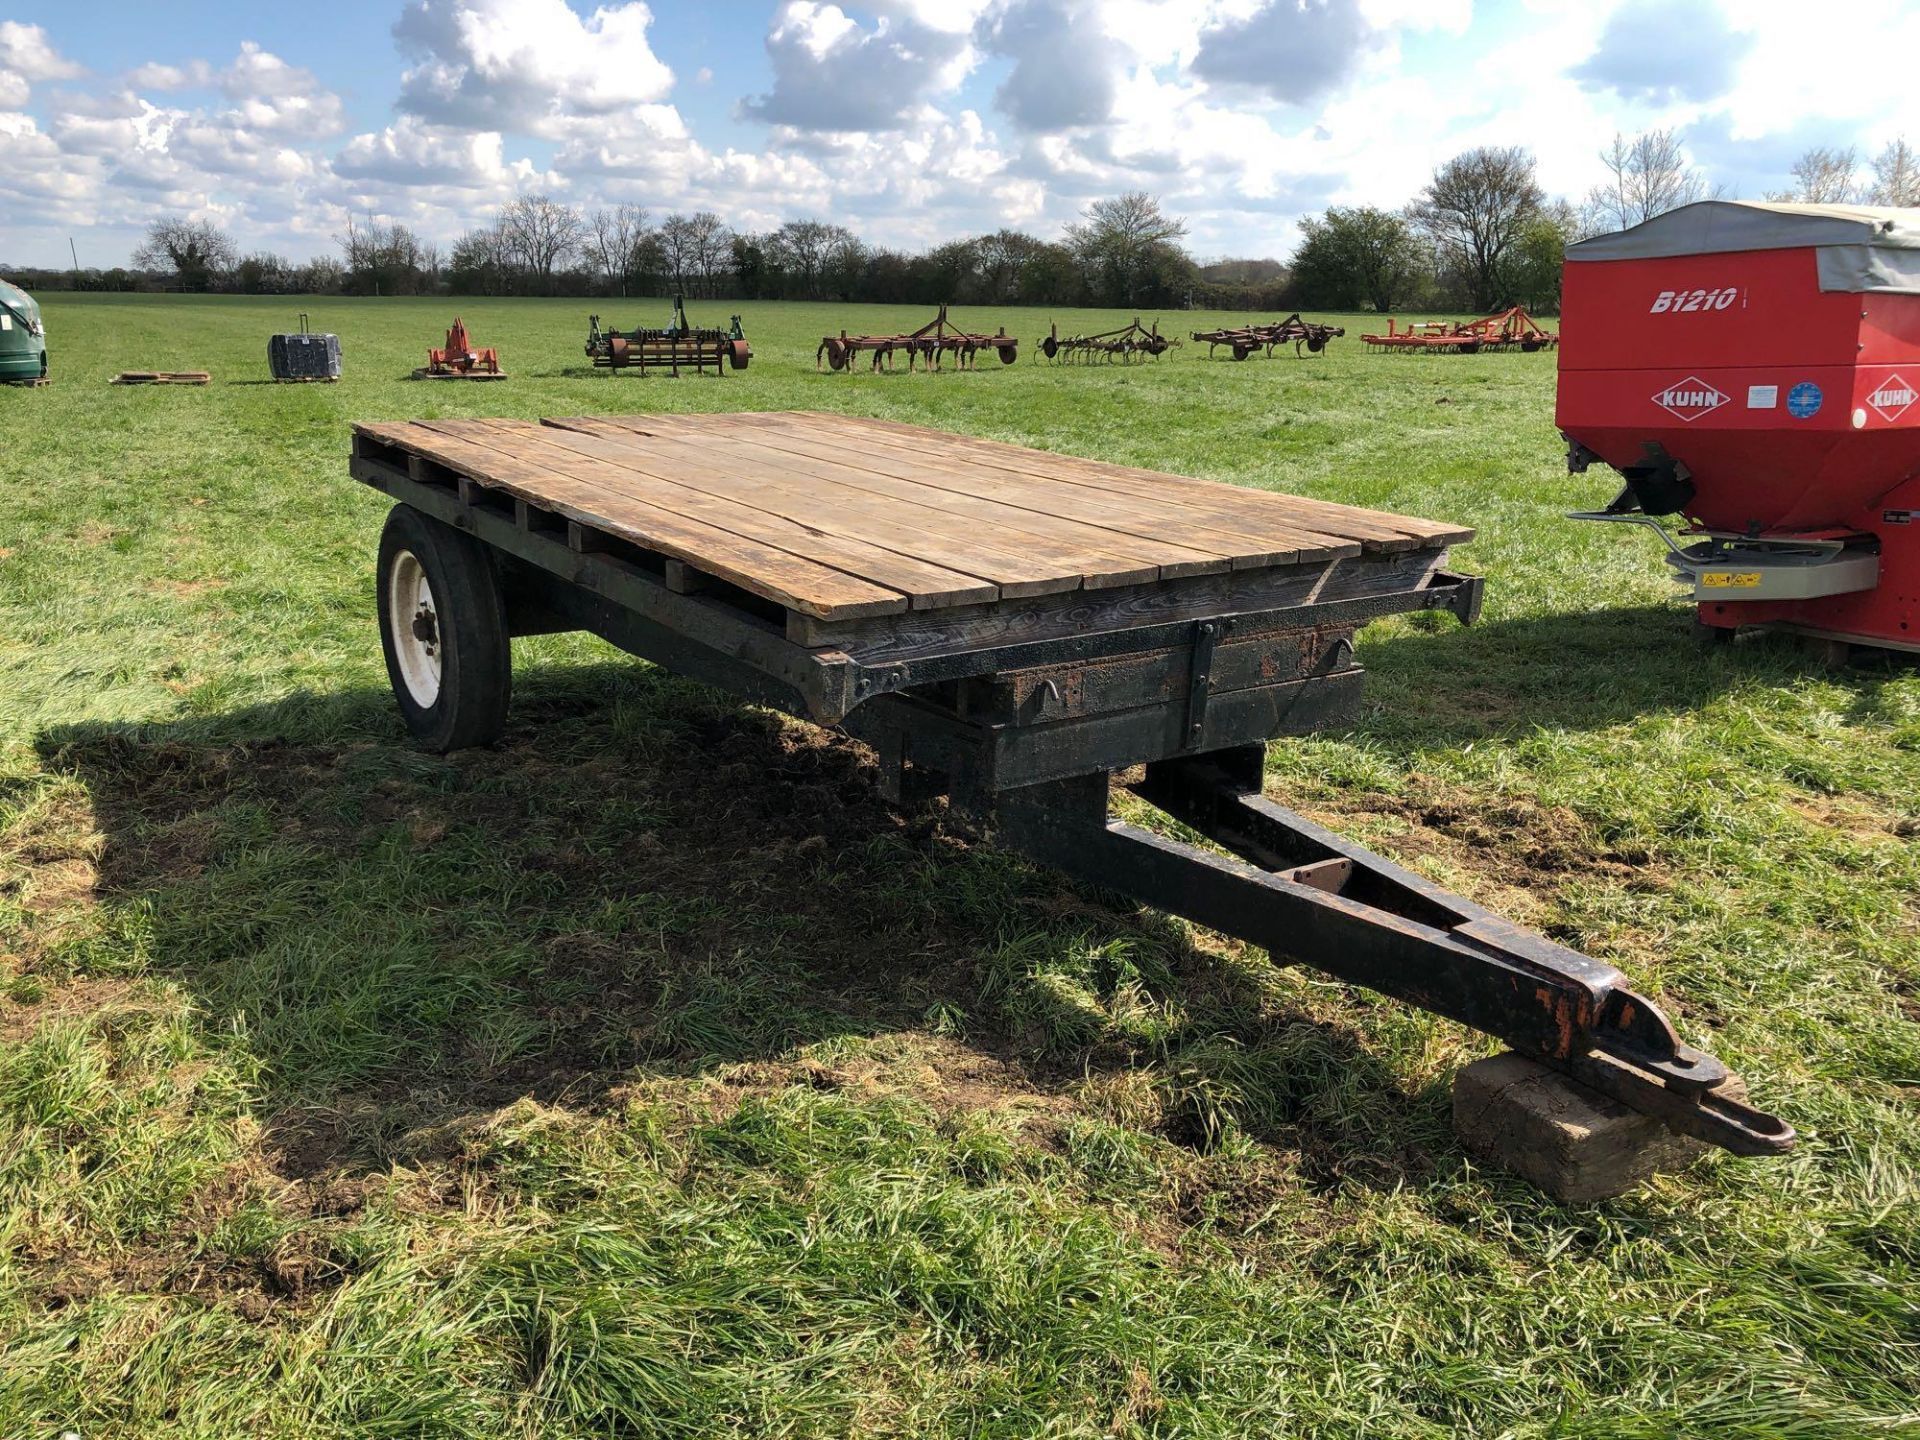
{"x":1206,"y":635}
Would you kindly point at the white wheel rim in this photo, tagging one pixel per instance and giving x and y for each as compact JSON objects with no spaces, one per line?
{"x":414,"y":622}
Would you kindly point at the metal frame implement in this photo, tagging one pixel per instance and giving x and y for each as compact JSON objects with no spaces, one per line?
{"x":1023,"y":724}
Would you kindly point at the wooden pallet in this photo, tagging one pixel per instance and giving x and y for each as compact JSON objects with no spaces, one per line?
{"x":38,"y":382}
{"x":887,"y":536}
{"x":162,"y":377}
{"x":306,"y":379}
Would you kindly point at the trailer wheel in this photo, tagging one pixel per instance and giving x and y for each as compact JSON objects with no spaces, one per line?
{"x":443,"y":626}
{"x":1007,"y":353}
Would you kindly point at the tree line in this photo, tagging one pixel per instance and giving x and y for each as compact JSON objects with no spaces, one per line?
{"x":1481,"y":234}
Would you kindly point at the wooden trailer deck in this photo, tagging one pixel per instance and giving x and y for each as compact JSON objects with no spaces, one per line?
{"x":1031,"y":613}
{"x":838,"y":518}
{"x":1008,"y":628}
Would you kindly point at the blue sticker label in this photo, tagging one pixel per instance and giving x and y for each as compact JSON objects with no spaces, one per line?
{"x":1803,"y":400}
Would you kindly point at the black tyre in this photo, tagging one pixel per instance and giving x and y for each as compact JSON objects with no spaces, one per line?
{"x":443,"y":626}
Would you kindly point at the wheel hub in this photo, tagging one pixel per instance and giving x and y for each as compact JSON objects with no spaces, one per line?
{"x":414,"y":629}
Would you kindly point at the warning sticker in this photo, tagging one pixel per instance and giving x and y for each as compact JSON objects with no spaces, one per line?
{"x":1892,"y":396}
{"x":1762,"y":397}
{"x":1729,"y":579}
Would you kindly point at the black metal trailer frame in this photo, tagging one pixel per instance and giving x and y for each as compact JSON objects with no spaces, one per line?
{"x":1023,"y":717}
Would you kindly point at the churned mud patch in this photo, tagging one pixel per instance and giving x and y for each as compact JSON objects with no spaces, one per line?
{"x":202,"y":1254}
{"x":24,"y":1015}
{"x":1514,"y":851}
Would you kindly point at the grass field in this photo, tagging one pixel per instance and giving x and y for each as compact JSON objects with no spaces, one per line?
{"x":646,"y":1076}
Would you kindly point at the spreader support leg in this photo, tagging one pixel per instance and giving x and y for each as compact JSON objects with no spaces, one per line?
{"x":1309,"y":897}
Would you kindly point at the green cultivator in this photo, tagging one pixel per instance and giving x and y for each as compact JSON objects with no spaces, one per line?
{"x":678,"y":345}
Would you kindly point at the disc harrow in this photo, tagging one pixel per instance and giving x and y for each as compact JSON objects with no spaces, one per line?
{"x":1243,"y":340}
{"x":930,"y":344}
{"x":1127,"y":344}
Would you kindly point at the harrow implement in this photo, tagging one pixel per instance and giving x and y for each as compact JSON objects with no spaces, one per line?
{"x":1243,"y":340}
{"x":1510,"y":329}
{"x":679,"y":344}
{"x":1126,"y":344}
{"x":930,"y":344}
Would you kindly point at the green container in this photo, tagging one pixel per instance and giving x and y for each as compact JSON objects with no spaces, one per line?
{"x":23,"y":339}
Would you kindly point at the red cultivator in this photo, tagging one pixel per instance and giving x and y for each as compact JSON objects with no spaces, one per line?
{"x":1125,"y":345}
{"x":1512,"y":329}
{"x":460,"y":360}
{"x":929,"y":343}
{"x":1245,"y":339}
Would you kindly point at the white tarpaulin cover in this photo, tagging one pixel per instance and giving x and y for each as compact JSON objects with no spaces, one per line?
{"x":1859,"y":247}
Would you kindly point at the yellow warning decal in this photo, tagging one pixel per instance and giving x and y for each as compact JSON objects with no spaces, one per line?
{"x":1729,"y":579}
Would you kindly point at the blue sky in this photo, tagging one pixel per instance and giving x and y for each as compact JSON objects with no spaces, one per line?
{"x":911,"y":120}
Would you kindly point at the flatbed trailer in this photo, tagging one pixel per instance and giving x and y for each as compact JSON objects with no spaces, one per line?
{"x":1011,"y":628}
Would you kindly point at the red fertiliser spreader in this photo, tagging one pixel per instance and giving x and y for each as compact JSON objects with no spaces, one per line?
{"x":1755,"y":370}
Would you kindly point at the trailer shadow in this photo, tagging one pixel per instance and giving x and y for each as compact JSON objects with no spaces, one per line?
{"x":648,"y":883}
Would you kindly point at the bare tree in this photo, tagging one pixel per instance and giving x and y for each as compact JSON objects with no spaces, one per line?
{"x":712,"y":245}
{"x":613,"y":243}
{"x":384,"y":259}
{"x":479,"y":263}
{"x":1124,"y":244}
{"x":197,"y":251}
{"x":542,"y":233}
{"x":802,"y":248}
{"x":1648,"y":176}
{"x":1896,"y":175}
{"x":1003,"y":261}
{"x":679,"y":246}
{"x":1474,"y":209}
{"x":1823,"y":176}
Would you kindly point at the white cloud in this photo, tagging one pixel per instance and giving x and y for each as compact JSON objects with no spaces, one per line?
{"x":27,"y":55}
{"x":1067,"y":64}
{"x":1293,"y":51}
{"x":917,"y":120}
{"x":409,"y":152}
{"x":26,"y":51}
{"x":525,"y":65}
{"x":831,"y":74}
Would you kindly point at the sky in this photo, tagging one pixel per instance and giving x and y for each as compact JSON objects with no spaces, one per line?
{"x":910,"y":121}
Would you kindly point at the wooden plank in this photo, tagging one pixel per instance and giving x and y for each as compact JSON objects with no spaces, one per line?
{"x":1249,"y":536}
{"x":1133,"y":479}
{"x":1353,"y":520}
{"x":912,"y":518}
{"x":777,"y":575}
{"x":926,"y":586}
{"x":1072,"y":513}
{"x":929,"y":535}
{"x":1011,"y":506}
{"x":1209,"y":501}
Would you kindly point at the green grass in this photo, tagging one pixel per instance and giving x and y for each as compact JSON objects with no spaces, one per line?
{"x":646,"y":1076}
